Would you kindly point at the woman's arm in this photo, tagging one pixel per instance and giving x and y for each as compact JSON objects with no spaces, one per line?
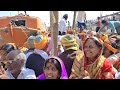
{"x":107,"y":72}
{"x":77,"y":68}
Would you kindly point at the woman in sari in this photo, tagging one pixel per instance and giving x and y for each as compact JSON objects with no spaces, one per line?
{"x":90,"y":60}
{"x":54,"y":69}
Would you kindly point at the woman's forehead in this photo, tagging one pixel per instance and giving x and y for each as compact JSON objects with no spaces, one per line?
{"x":49,"y":64}
{"x":89,"y":41}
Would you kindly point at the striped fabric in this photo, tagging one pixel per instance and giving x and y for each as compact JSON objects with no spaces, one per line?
{"x":95,"y":69}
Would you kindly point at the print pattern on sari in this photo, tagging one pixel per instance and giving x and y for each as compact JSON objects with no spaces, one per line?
{"x":99,"y":68}
{"x":117,"y":64}
{"x":95,"y":68}
{"x":78,"y":69}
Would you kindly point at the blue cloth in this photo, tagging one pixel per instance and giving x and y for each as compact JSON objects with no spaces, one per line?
{"x":80,"y":24}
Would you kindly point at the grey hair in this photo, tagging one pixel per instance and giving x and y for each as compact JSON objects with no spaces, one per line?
{"x":17,"y":54}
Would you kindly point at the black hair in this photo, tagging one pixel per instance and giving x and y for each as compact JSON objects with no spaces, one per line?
{"x":98,"y":17}
{"x":97,"y":43}
{"x":65,"y":16}
{"x":104,"y":21}
{"x":104,"y":50}
{"x":56,"y":63}
{"x":7,"y":47}
{"x":116,"y":44}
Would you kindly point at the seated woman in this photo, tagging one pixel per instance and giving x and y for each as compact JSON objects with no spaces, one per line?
{"x":115,"y":57}
{"x":110,"y":48}
{"x":54,"y":69}
{"x":91,"y":60}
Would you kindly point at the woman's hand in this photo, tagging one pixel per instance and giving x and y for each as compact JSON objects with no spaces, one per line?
{"x":3,"y":74}
{"x":86,"y":75}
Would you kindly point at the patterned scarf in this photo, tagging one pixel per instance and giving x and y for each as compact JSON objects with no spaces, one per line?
{"x":70,"y":42}
{"x":107,"y":43}
{"x":80,"y":65}
{"x":63,"y":73}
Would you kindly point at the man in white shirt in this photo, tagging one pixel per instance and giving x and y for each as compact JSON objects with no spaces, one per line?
{"x":15,"y":66}
{"x":63,"y":25}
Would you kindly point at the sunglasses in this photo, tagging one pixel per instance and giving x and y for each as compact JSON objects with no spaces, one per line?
{"x":9,"y":61}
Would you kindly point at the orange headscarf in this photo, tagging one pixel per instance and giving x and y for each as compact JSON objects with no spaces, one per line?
{"x":104,"y":37}
{"x":42,"y":43}
{"x":70,"y":31}
{"x":109,"y":46}
{"x":82,"y":36}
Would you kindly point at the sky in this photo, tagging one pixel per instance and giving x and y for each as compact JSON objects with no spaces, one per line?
{"x":44,"y":15}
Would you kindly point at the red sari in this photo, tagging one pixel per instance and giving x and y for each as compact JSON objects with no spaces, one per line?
{"x":100,"y":68}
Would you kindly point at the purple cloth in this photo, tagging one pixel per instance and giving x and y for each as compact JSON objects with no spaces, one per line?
{"x":63,"y":73}
{"x":117,"y":75}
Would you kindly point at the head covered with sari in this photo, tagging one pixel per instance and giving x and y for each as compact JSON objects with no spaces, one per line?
{"x":63,"y":69}
{"x":98,"y":49}
{"x":92,"y":60}
{"x":109,"y":46}
{"x":113,"y":45}
{"x":69,"y":42}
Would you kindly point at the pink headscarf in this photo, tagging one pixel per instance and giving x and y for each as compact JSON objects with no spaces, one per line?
{"x":63,"y":73}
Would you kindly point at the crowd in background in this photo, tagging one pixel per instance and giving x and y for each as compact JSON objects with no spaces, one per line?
{"x":81,"y":54}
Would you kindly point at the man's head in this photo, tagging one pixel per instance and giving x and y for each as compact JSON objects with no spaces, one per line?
{"x":15,"y":60}
{"x":69,"y":42}
{"x":65,"y":16}
{"x":98,"y":18}
{"x":104,"y":22}
{"x":41,"y":42}
{"x":38,"y":42}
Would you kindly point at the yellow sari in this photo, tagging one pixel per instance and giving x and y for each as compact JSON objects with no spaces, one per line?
{"x":96,"y":69}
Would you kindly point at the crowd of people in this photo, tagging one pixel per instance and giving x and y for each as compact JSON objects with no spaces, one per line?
{"x":82,"y":54}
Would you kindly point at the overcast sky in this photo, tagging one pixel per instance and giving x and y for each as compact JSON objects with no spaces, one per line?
{"x":44,"y":15}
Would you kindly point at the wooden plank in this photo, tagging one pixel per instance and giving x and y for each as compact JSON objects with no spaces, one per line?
{"x":54,"y":30}
{"x":74,"y":18}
